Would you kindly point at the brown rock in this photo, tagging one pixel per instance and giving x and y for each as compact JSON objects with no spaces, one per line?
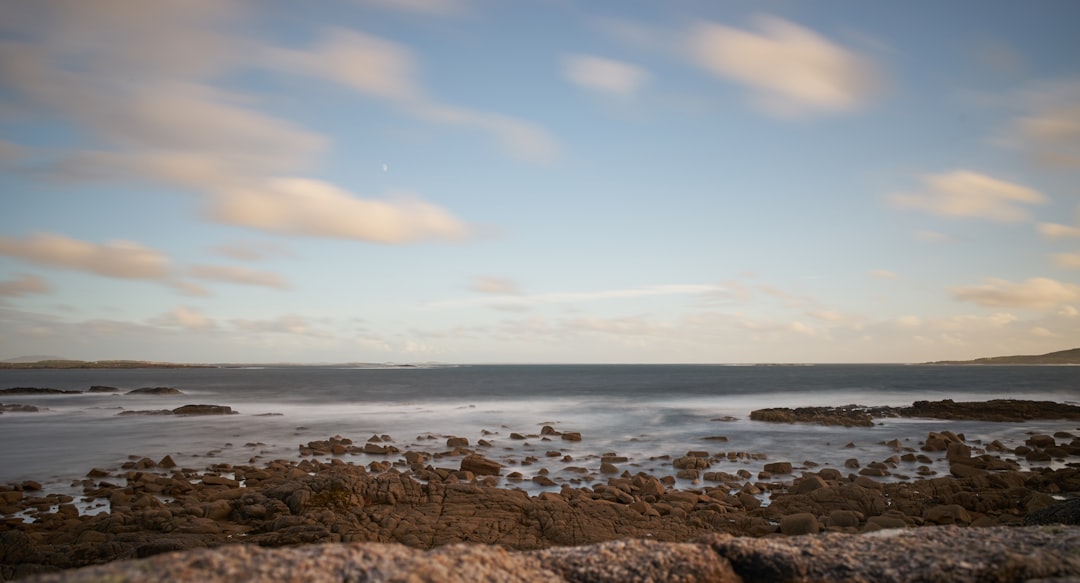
{"x":203,"y":410}
{"x":480,"y":465}
{"x":778,"y":468}
{"x":799,"y":523}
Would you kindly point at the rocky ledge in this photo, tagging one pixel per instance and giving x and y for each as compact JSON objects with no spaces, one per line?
{"x":996,"y":410}
{"x":151,"y":507}
{"x":929,"y":554}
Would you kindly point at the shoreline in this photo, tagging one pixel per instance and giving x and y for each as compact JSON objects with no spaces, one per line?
{"x":427,"y":500}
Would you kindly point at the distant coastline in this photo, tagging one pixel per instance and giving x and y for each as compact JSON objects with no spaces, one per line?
{"x":59,"y":364}
{"x":1071,"y":356}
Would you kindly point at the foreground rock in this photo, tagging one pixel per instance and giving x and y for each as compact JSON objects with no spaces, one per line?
{"x":996,"y":554}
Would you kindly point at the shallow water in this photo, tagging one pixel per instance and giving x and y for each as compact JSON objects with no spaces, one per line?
{"x":643,"y":412}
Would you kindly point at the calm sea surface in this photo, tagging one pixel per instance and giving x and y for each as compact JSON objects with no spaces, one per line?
{"x":643,"y":412}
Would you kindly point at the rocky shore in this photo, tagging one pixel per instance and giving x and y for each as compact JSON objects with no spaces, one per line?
{"x":425,"y":501}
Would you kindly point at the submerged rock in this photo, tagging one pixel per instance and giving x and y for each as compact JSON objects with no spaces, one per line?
{"x":204,"y":410}
{"x":155,"y":391}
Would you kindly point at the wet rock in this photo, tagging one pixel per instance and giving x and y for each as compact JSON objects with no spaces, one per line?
{"x":778,"y":468}
{"x":480,"y":465}
{"x":37,"y":391}
{"x":155,"y":391}
{"x":1064,"y":512}
{"x":204,"y":410}
{"x":103,"y":389}
{"x":457,"y":442}
{"x":799,"y":523}
{"x":849,"y":416}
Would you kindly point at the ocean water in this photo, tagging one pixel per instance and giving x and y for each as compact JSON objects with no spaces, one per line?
{"x":642,"y":412}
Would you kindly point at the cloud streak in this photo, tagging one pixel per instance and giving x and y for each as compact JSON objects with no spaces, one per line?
{"x":314,"y":208}
{"x":789,"y":70}
{"x":119,"y":259}
{"x":968,"y":194}
{"x":25,"y":284}
{"x":137,"y":79}
{"x":238,"y":275}
{"x":1035,"y":293}
{"x":387,"y":70}
{"x":604,"y":75}
{"x":593,"y":296}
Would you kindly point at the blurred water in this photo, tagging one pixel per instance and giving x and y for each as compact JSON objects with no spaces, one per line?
{"x":641,"y":412}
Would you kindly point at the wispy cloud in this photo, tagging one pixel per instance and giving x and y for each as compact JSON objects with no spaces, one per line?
{"x":1036,"y":292}
{"x":25,"y":284}
{"x":120,"y":259}
{"x":288,"y":324}
{"x":968,"y":194}
{"x":494,"y":285}
{"x":593,"y":296}
{"x":789,"y":69}
{"x":138,"y":79}
{"x":883,"y":274}
{"x":604,"y":75}
{"x":238,"y":275}
{"x":1049,"y":125}
{"x":185,"y":318}
{"x":387,"y":70}
{"x":314,"y":208}
{"x":1067,"y":260}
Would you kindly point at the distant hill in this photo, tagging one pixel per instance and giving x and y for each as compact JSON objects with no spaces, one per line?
{"x":34,"y":358}
{"x":1071,"y":356}
{"x":62,"y":363}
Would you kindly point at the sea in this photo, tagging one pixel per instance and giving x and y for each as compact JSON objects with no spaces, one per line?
{"x":649,"y":414}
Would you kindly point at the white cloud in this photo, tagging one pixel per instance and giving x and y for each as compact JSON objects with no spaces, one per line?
{"x":964,"y":193}
{"x":251,"y":251}
{"x":240,"y":275}
{"x":1036,"y":292}
{"x":288,"y":324}
{"x":120,"y":259}
{"x":386,"y":70}
{"x":494,"y":285}
{"x":1044,"y":333}
{"x":1058,"y":231}
{"x":604,"y":75}
{"x":297,"y":206}
{"x":592,"y":296}
{"x":790,"y":70}
{"x":24,"y":285}
{"x":135,"y":77}
{"x":1067,"y":260}
{"x":185,"y":318}
{"x":1049,"y":127}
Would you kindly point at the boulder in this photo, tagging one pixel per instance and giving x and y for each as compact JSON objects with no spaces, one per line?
{"x":480,"y":465}
{"x":457,"y":442}
{"x":779,"y":468}
{"x":799,"y":523}
{"x":947,"y":514}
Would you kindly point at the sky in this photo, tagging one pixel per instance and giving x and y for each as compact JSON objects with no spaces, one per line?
{"x":535,"y":181}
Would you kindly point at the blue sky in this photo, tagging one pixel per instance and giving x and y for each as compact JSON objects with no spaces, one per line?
{"x":539,"y":181}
